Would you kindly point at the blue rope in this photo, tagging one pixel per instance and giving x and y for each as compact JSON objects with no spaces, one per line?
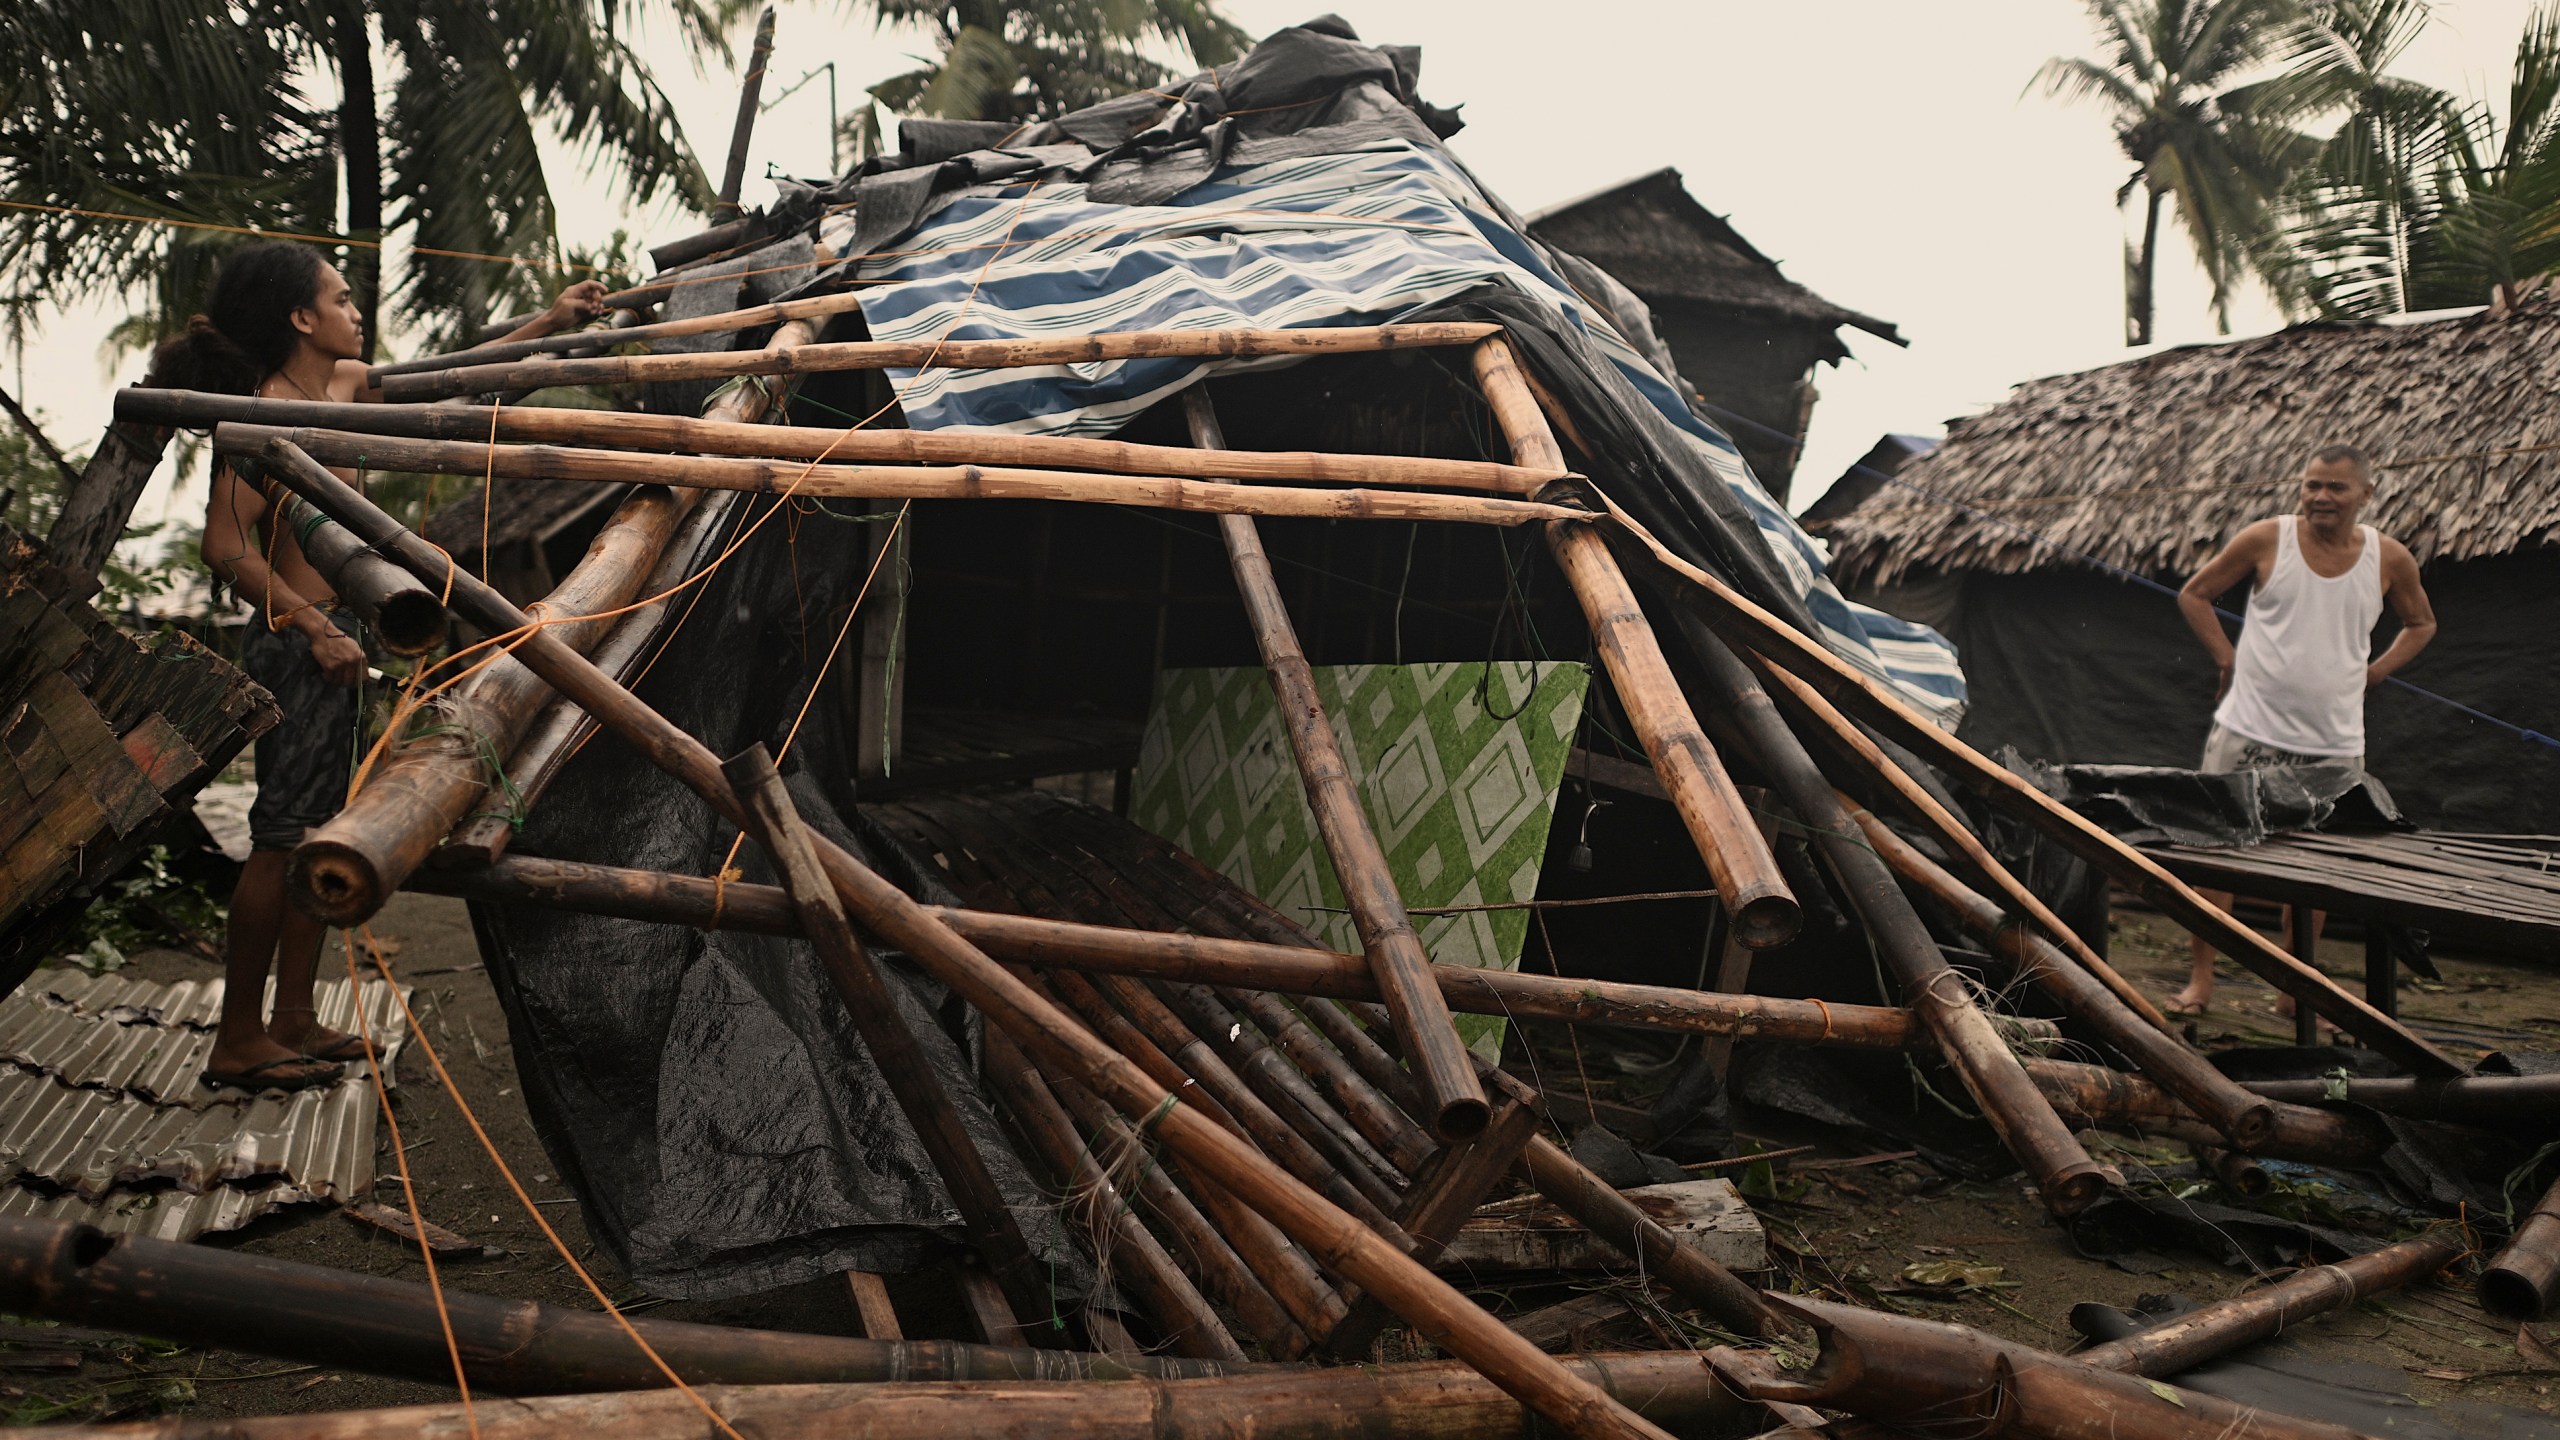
{"x":2121,"y":573}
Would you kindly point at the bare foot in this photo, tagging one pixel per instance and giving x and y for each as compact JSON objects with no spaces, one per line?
{"x":301,"y":1032}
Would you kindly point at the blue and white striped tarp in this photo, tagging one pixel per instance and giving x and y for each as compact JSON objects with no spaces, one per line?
{"x":1366,"y":236}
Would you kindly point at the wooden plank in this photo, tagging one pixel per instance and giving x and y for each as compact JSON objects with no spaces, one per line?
{"x":94,"y":514}
{"x":877,"y":1318}
{"x":985,"y":1299}
{"x":1534,"y":1234}
{"x":163,"y":755}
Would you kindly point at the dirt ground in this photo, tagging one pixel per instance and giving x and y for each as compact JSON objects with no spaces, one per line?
{"x":1864,"y":1224}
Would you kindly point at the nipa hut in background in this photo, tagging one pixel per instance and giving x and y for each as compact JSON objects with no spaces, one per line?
{"x":1745,"y":336}
{"x":2022,"y":535}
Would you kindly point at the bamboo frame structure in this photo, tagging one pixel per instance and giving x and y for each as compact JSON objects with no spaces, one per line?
{"x":687,"y":435}
{"x":2065,"y":1175}
{"x":1953,"y":832}
{"x":815,"y":307}
{"x":1337,"y":1240}
{"x":1456,"y":1102}
{"x":1252,"y":964}
{"x":404,"y":614}
{"x":2523,"y":1278}
{"x":2248,"y":1119}
{"x":776,"y":826}
{"x":889,"y":482}
{"x":929,"y":354}
{"x":1738,"y":859}
{"x":354,"y":862}
{"x":1747,"y":625}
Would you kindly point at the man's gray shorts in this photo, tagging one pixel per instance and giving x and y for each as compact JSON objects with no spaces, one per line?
{"x":2226,"y":751}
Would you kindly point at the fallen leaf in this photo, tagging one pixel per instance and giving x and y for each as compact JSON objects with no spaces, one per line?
{"x":2445,"y":1374}
{"x":2536,"y":1351}
{"x":2167,"y":1393}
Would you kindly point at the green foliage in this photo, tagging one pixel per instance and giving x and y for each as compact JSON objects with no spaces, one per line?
{"x":2422,"y":201}
{"x":197,"y":112}
{"x":2186,"y":84}
{"x":1029,"y":60}
{"x":147,"y":906}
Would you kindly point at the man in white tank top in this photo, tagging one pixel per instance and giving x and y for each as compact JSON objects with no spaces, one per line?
{"x":2292,"y":691}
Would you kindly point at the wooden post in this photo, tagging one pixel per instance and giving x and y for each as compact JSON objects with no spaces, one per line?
{"x":2069,"y":1180}
{"x":1342,"y":1243}
{"x":776,"y":826}
{"x":681,"y":434}
{"x":1123,"y":1252}
{"x":94,"y":514}
{"x":2302,"y":925}
{"x":1424,"y":1031}
{"x":2246,"y":1118}
{"x":1748,"y":626}
{"x":734,"y":178}
{"x":894,"y":482}
{"x":2381,"y":967}
{"x":1738,"y":860}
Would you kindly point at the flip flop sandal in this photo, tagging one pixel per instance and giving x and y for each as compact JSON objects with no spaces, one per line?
{"x":2188,"y":1012}
{"x":258,"y":1077}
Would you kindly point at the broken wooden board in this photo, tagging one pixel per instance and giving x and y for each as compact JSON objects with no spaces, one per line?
{"x":1531,"y":1234}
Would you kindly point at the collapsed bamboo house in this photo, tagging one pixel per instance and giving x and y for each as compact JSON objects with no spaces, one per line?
{"x":738,"y":802}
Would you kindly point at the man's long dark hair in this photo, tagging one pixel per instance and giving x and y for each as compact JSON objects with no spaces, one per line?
{"x":246,"y":331}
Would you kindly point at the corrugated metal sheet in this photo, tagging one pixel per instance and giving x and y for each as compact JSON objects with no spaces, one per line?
{"x":103,"y":1119}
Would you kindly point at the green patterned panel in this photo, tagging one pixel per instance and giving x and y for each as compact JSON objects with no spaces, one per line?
{"x":1457,"y":767}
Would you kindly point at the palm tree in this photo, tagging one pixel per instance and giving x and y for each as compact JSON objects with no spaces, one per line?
{"x":2424,"y":202}
{"x":194,"y":112}
{"x":2182,"y":85}
{"x":1026,"y":60}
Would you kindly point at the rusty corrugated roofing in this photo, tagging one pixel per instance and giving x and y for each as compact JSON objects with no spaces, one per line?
{"x":102,"y":1118}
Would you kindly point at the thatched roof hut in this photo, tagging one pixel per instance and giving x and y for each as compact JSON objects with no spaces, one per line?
{"x":1746,"y":336}
{"x":2152,"y":464}
{"x":2015,"y":536}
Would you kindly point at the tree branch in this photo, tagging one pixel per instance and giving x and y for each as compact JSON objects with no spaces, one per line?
{"x":27,"y":422}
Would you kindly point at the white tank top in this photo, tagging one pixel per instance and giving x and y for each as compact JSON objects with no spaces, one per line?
{"x":2298,"y":681}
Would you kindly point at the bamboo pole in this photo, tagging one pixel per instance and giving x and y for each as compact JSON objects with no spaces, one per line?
{"x":1427,"y":1036}
{"x":1122,"y":1249}
{"x":1747,"y":625}
{"x":1958,"y":836}
{"x":934,"y":354}
{"x":1217,"y":1264}
{"x":2523,"y":1279}
{"x":1386,"y":1127}
{"x":1738,"y":859}
{"x":1335,"y":1239}
{"x":2186,"y":1341}
{"x":930,"y":1113}
{"x":444,"y":758}
{"x":1953,"y":1379}
{"x":2068,"y":1179}
{"x":680,"y":434}
{"x":405,"y":615}
{"x":2246,"y":1118}
{"x":561,"y":728}
{"x":2529,"y":1104}
{"x":892,"y":482}
{"x":2105,"y":1099}
{"x":1244,"y":964}
{"x":1433,"y":1400}
{"x":227,"y":1299}
{"x":1286,"y":1092}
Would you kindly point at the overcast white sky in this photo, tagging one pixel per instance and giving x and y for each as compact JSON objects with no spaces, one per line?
{"x":1880,"y":150}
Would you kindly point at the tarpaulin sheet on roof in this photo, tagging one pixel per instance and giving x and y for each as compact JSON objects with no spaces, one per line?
{"x":1382,"y":226}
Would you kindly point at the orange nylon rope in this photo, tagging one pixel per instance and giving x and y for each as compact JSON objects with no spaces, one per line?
{"x":408,"y":1185}
{"x":382,"y":966}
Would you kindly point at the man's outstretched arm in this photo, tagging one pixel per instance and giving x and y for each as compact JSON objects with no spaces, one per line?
{"x":2238,"y":560}
{"x":2408,"y":599}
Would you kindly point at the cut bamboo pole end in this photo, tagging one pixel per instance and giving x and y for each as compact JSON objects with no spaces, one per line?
{"x":919,"y":354}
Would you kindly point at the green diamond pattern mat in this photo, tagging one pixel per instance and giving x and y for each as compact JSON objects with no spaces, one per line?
{"x":1457,"y":767}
